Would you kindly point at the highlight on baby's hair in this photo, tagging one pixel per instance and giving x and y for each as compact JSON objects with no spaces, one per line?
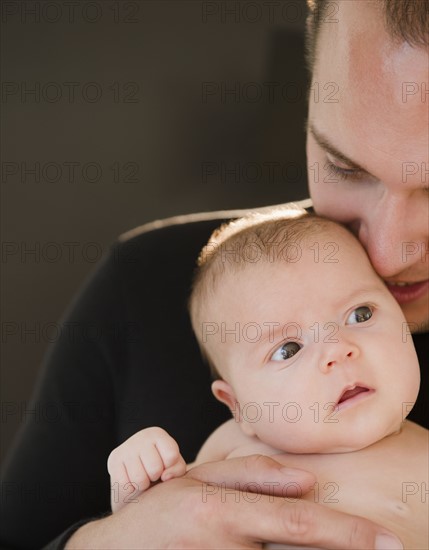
{"x":260,"y":236}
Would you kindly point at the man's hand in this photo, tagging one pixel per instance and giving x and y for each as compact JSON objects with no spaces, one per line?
{"x":147,"y":456}
{"x":207,"y":509}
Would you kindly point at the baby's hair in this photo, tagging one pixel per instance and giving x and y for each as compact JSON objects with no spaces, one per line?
{"x":259,"y":236}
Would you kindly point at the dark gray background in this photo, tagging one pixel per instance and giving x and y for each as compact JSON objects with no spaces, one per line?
{"x":161,"y":54}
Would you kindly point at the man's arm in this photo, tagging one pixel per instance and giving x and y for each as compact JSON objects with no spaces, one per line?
{"x":192,"y":512}
{"x":55,"y":474}
{"x":126,"y":360}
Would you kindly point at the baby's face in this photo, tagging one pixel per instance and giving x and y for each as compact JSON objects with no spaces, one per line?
{"x":316,"y":353}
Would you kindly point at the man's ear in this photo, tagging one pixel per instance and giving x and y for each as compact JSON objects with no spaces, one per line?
{"x":225,"y":394}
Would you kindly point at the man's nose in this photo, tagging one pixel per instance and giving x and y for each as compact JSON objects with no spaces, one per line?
{"x":338,"y":354}
{"x":389,"y":232}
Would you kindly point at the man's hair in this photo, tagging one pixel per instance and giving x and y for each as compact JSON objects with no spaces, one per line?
{"x":270,"y":236}
{"x":405,"y":20}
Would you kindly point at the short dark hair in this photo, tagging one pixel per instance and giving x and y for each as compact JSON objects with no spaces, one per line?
{"x":406,"y":20}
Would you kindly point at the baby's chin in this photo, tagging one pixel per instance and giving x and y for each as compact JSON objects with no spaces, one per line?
{"x":346,"y":443}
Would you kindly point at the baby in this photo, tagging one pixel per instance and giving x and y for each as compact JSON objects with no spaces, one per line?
{"x":312,"y":355}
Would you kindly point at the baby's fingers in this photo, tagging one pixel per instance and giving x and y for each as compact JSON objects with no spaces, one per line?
{"x":177,"y":470}
{"x":122,"y":487}
{"x":153,"y":462}
{"x":169,"y":451}
{"x":137,"y":475}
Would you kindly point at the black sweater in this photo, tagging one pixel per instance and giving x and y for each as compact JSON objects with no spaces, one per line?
{"x":126,"y":359}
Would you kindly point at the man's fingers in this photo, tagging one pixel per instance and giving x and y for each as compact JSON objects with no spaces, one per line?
{"x":308,"y":524}
{"x":257,"y":474}
{"x":242,"y":491}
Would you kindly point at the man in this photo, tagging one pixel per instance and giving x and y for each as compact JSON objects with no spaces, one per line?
{"x":367,"y":157}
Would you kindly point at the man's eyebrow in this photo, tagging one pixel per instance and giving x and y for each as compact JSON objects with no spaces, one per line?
{"x":325,"y":144}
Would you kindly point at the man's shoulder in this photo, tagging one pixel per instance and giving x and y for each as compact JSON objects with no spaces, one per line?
{"x":197,"y":221}
{"x":170,"y":247}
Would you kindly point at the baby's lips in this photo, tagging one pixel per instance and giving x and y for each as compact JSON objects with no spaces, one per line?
{"x":352,"y":390}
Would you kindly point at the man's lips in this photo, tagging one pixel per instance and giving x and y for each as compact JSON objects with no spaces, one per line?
{"x":352,"y":394}
{"x":407,"y":292}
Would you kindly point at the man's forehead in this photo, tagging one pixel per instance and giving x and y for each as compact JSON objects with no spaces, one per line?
{"x":365,"y":61}
{"x":381,"y":87}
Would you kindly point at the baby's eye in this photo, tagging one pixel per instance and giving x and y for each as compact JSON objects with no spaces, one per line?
{"x":359,"y":315}
{"x":286,"y":351}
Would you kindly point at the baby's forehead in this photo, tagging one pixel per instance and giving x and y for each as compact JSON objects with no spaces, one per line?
{"x":317,"y":258}
{"x":253,"y":261}
{"x":239,"y":260}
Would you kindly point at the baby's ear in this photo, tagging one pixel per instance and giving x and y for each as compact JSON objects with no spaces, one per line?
{"x":225,"y":394}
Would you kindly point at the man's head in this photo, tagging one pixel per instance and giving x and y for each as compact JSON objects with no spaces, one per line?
{"x":312,"y":349}
{"x":405,"y":20}
{"x":368,"y":135}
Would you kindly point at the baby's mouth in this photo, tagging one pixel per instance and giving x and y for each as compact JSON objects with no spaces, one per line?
{"x":352,"y":394}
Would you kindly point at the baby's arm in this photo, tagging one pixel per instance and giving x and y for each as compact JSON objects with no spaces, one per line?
{"x":149,"y":455}
{"x":221,"y":443}
{"x":229,"y":441}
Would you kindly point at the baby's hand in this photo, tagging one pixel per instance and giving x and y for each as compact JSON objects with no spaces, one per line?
{"x":147,"y":456}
